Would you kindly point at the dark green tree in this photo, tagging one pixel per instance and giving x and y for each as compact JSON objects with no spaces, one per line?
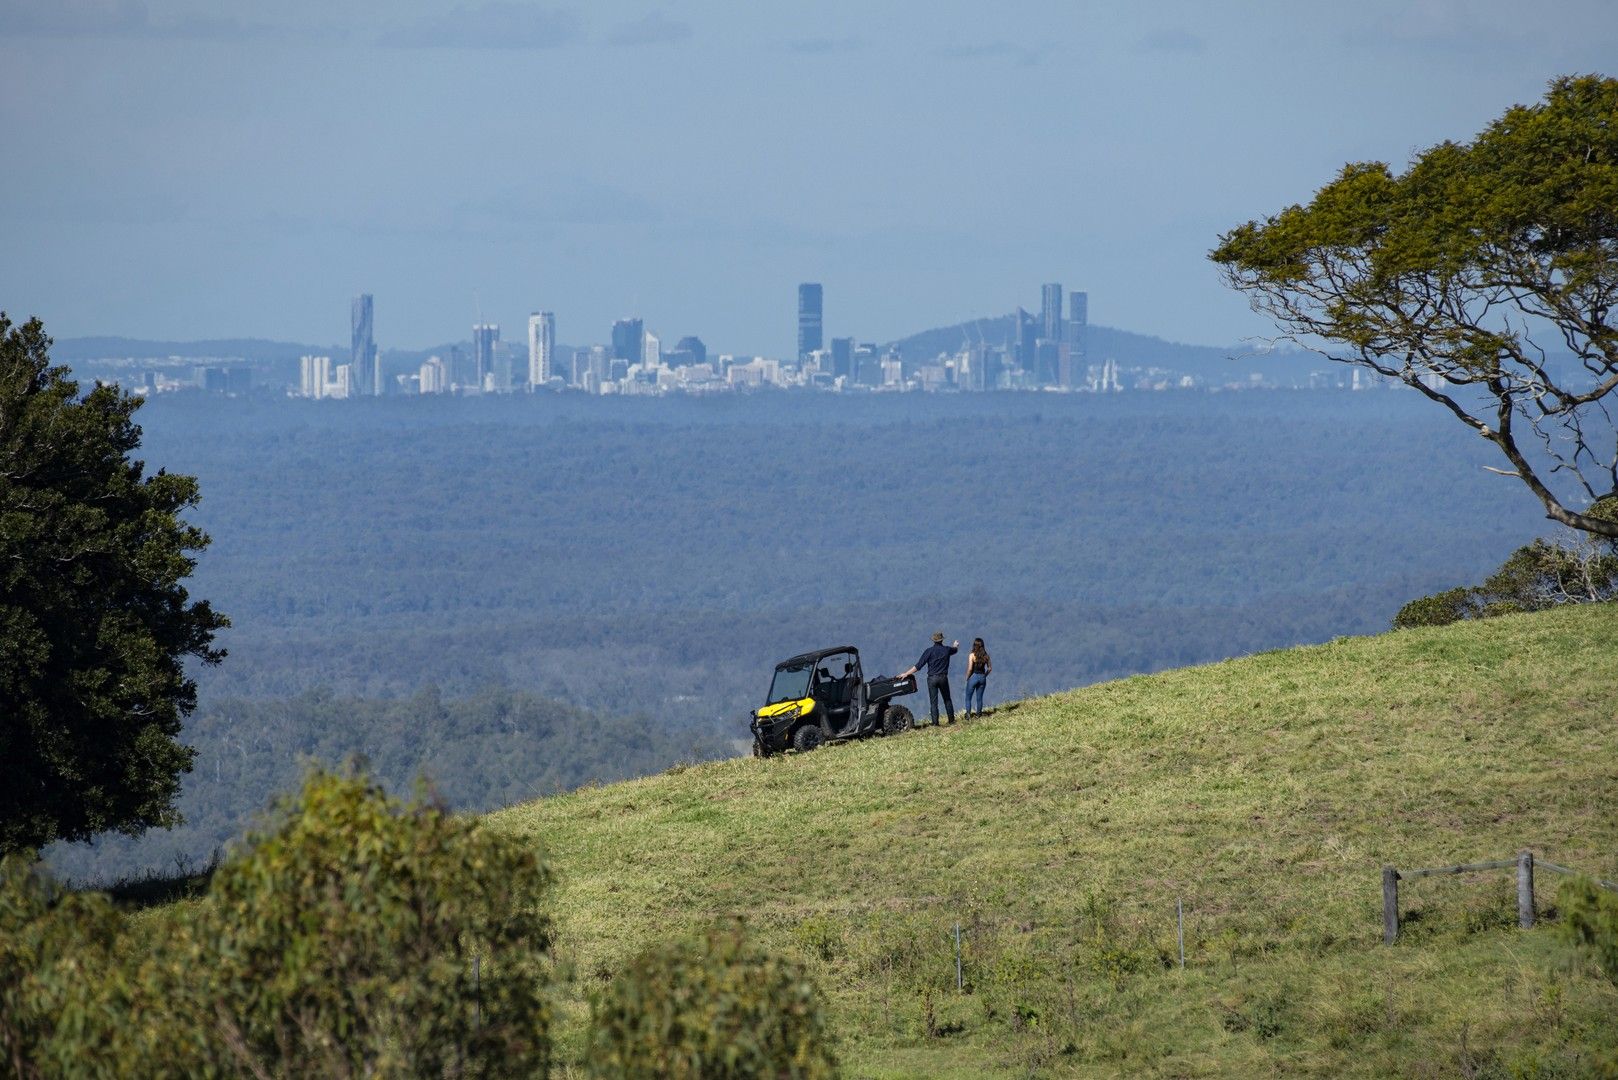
{"x":95,"y":626}
{"x":1484,"y":276}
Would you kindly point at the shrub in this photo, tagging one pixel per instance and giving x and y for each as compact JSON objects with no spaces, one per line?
{"x":56,"y":973}
{"x":1440,"y":609}
{"x":1591,"y":922}
{"x":338,"y":942}
{"x":714,"y":1006}
{"x":341,"y":942}
{"x":1539,"y":575}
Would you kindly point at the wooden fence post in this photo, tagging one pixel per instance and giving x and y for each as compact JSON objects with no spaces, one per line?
{"x":1390,"y":905}
{"x":1525,"y":889}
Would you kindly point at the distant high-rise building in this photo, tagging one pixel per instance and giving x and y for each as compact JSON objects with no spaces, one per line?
{"x":485,"y":336}
{"x":365,"y":374}
{"x":541,"y":348}
{"x":810,"y":299}
{"x":433,"y":378}
{"x":694,"y":346}
{"x":314,"y":372}
{"x":1047,"y":369}
{"x":651,"y":350}
{"x":842,"y":356}
{"x":626,"y":340}
{"x":867,"y":366}
{"x":1025,"y":340}
{"x":1050,"y":311}
{"x":342,"y":384}
{"x":1078,"y":326}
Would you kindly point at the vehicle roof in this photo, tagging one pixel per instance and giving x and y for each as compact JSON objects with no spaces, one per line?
{"x":805,"y":659}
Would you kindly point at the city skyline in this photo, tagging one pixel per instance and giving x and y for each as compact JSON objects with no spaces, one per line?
{"x":1051,"y":351}
{"x":230,"y":175}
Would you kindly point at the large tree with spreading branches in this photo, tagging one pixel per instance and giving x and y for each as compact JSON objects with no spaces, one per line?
{"x":95,"y":625}
{"x":1483,"y":276}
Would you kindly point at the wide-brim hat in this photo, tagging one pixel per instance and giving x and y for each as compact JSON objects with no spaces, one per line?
{"x":939,"y":637}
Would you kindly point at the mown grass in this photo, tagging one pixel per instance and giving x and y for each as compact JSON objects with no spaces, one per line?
{"x":1265,"y":793}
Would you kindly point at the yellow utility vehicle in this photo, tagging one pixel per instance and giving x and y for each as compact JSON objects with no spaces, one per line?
{"x":822,"y":696}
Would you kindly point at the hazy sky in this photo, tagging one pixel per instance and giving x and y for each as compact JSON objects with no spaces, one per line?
{"x":183,"y":170}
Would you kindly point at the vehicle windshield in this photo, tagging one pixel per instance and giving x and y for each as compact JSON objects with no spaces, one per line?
{"x":790,"y":684}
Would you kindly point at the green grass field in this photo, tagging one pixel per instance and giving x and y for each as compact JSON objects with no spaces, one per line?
{"x":1265,"y":793}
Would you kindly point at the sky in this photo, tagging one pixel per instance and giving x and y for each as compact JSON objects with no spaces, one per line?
{"x":181,"y":170}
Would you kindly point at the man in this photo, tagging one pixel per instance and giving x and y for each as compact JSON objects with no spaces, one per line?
{"x":936,"y":661}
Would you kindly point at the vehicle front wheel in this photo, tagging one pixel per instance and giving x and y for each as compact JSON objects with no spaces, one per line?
{"x":807,"y":738}
{"x":897,"y":719}
{"x":759,"y":749}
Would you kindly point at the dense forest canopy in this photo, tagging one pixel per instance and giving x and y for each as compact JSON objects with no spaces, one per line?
{"x":655,"y":558}
{"x":661,"y":555}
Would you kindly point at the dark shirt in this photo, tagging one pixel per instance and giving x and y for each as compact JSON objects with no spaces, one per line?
{"x":936,"y":660}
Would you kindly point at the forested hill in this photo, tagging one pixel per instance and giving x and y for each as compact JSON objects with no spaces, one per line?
{"x":490,"y":749}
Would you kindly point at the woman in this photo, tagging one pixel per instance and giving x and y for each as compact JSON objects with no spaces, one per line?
{"x":977,"y":673}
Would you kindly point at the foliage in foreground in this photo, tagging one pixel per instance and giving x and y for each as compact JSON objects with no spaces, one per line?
{"x":1537,"y":576}
{"x":339,"y":942}
{"x":715,"y":1006}
{"x":95,"y":625}
{"x":1592,"y":922}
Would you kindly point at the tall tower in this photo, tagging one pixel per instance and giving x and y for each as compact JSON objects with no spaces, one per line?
{"x":627,"y":339}
{"x":485,"y":336}
{"x":809,"y":318}
{"x":1025,"y":340}
{"x":541,"y":348}
{"x":362,"y":361}
{"x":1050,"y":312}
{"x":1078,"y":326}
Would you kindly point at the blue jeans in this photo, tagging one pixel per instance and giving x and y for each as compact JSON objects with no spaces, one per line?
{"x":974,"y":685}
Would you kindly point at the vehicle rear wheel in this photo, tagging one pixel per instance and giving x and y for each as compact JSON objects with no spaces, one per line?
{"x":897,"y":719}
{"x":807,"y":738}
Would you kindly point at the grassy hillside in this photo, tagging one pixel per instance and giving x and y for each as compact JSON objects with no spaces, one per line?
{"x":1264,"y":792}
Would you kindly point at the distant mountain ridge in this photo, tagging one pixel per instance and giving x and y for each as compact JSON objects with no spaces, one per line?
{"x":1128,"y":348}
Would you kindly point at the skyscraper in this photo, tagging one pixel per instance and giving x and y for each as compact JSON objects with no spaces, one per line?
{"x":485,"y":336}
{"x":842,"y":356}
{"x":651,"y":350}
{"x":541,"y":348}
{"x":1078,"y":327}
{"x":1050,"y":312}
{"x":809,"y":318}
{"x":1025,"y":339}
{"x":626,"y":339}
{"x":363,"y":369}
